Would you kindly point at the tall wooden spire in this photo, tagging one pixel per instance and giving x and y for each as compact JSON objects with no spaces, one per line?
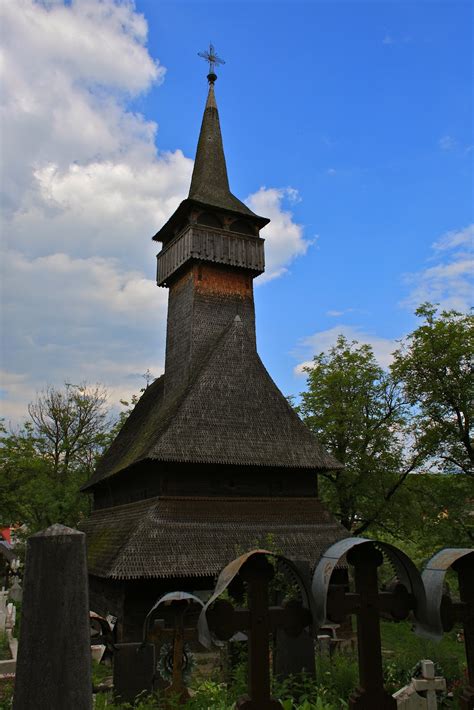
{"x":210,"y":183}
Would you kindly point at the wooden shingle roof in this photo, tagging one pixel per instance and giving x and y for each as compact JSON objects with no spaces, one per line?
{"x":209,"y":182}
{"x":230,"y":413}
{"x":175,"y":536}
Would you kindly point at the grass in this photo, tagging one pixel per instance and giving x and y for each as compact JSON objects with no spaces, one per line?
{"x":4,"y":648}
{"x":402,"y":650}
{"x":336,"y":677}
{"x":6,"y":694}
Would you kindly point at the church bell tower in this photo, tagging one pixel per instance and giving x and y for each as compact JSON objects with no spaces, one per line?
{"x":212,"y":460}
{"x":211,"y":253}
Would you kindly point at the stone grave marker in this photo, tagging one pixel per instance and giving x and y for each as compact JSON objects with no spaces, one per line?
{"x":178,"y":604}
{"x":3,"y":610}
{"x":421,"y":692}
{"x":15,"y":593}
{"x":367,"y":603}
{"x":294,"y":655}
{"x":134,"y":670}
{"x":54,"y":662}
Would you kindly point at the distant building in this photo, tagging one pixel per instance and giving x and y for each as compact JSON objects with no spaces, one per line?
{"x":212,"y":460}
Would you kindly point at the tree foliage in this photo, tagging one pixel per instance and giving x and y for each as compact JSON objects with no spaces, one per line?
{"x":357,"y":411}
{"x":45,"y":462}
{"x":403,"y":435}
{"x":435,"y":365}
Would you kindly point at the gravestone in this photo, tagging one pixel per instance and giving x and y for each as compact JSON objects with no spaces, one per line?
{"x":420,"y":693}
{"x":176,"y":606}
{"x":3,"y":610}
{"x":367,"y":603}
{"x":54,"y":662}
{"x":134,"y":670}
{"x":294,"y":655}
{"x":15,"y":593}
{"x":11,"y":618}
{"x":441,"y":612}
{"x":465,"y":613}
{"x":258,"y":621}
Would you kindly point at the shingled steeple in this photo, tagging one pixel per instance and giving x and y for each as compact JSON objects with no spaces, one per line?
{"x":210,"y":183}
{"x":216,"y":405}
{"x":212,"y":459}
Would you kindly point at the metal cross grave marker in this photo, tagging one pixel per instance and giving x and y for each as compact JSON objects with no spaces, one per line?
{"x":366,"y":603}
{"x":180,"y":603}
{"x":258,"y":621}
{"x":441,"y":613}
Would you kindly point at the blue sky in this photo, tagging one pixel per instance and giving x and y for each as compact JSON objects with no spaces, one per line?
{"x":350,"y":123}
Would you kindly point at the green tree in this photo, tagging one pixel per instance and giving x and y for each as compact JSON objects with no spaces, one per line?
{"x":71,"y":427}
{"x":356,"y":410}
{"x":435,"y":365}
{"x":45,"y":462}
{"x":431,"y":511}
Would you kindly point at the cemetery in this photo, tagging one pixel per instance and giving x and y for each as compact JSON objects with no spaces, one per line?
{"x":264,"y":654}
{"x":208,"y":572}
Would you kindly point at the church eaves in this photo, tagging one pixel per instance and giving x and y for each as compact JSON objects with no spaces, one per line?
{"x":231,"y":413}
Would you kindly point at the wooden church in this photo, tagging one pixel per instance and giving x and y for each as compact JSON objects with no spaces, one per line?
{"x":212,"y":460}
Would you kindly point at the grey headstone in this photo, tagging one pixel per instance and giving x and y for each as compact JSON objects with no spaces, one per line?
{"x":295,"y":655}
{"x":3,"y":610}
{"x":134,"y":670}
{"x":15,"y":593}
{"x":54,"y":657}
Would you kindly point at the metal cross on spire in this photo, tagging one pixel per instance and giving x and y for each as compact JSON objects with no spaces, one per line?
{"x":211,"y":57}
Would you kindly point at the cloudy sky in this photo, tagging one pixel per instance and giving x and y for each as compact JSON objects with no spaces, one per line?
{"x":349,"y":124}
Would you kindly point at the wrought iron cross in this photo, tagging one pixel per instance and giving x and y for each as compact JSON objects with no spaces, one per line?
{"x":213,"y":59}
{"x":259,"y":620}
{"x":367,"y":603}
{"x":179,"y":604}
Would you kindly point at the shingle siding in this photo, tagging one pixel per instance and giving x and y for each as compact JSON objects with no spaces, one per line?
{"x":196,"y":537}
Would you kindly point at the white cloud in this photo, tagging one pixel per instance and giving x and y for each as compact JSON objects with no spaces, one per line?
{"x":338,"y":314}
{"x":388,"y":40}
{"x":451,"y":240}
{"x":66,"y":72}
{"x":107,"y":207}
{"x":80,"y":319}
{"x":284,"y":238}
{"x":323,"y":340}
{"x":447,"y":143}
{"x":450,"y":281}
{"x":84,"y":188}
